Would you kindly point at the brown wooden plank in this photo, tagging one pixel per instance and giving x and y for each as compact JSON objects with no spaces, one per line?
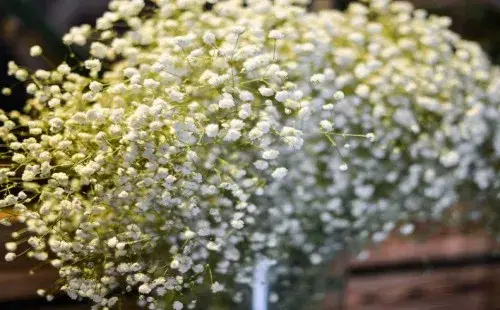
{"x":447,"y":244}
{"x":469,"y":301}
{"x":412,"y":288}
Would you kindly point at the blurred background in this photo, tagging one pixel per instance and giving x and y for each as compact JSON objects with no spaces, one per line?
{"x":453,"y":268}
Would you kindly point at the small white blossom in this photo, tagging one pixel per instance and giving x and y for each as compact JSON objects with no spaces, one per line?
{"x":270,"y":154}
{"x":10,"y":256}
{"x":266,"y":91}
{"x":112,"y":242}
{"x":11,"y":246}
{"x":151,"y":83}
{"x":326,"y":125}
{"x":317,"y":79}
{"x":212,"y":130}
{"x":177,"y":305}
{"x":246,"y":96}
{"x":226,"y":102}
{"x":280,"y":173}
{"x":209,"y":38}
{"x":95,"y":86}
{"x":407,"y":229}
{"x":232,"y":135}
{"x":35,"y":51}
{"x":370,"y":136}
{"x":93,"y":64}
{"x":213,"y":246}
{"x":281,"y":96}
{"x":98,"y":50}
{"x":276,"y":34}
{"x":238,"y":30}
{"x":217,"y":287}
{"x":189,"y":234}
{"x":144,"y":289}
{"x":6,"y":91}
{"x":261,"y":164}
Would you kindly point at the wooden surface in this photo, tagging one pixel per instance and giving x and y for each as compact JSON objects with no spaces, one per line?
{"x":449,"y":271}
{"x":459,"y":288}
{"x":445,"y":243}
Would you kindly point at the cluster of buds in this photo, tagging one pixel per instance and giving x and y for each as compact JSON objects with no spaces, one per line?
{"x":198,"y":140}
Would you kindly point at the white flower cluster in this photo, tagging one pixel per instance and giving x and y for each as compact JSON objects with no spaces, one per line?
{"x":200,"y":139}
{"x":428,"y":103}
{"x":137,"y":175}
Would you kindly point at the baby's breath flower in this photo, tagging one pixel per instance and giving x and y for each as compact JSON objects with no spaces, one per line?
{"x":217,"y":287}
{"x":212,"y":130}
{"x":371,"y":111}
{"x":279,"y":173}
{"x":266,"y":91}
{"x":10,"y":256}
{"x":270,"y":154}
{"x":112,"y":242}
{"x":226,"y":101}
{"x":11,"y":246}
{"x":180,"y":146}
{"x":6,"y":91}
{"x":370,"y":136}
{"x":35,"y":51}
{"x":209,"y":38}
{"x":93,"y":64}
{"x":98,"y":50}
{"x":276,"y":34}
{"x":326,"y":125}
{"x":343,"y":167}
{"x":144,"y":289}
{"x":177,"y":305}
{"x":95,"y":86}
{"x":407,"y":229}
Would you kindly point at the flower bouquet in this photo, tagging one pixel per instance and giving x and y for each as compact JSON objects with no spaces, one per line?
{"x":193,"y":141}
